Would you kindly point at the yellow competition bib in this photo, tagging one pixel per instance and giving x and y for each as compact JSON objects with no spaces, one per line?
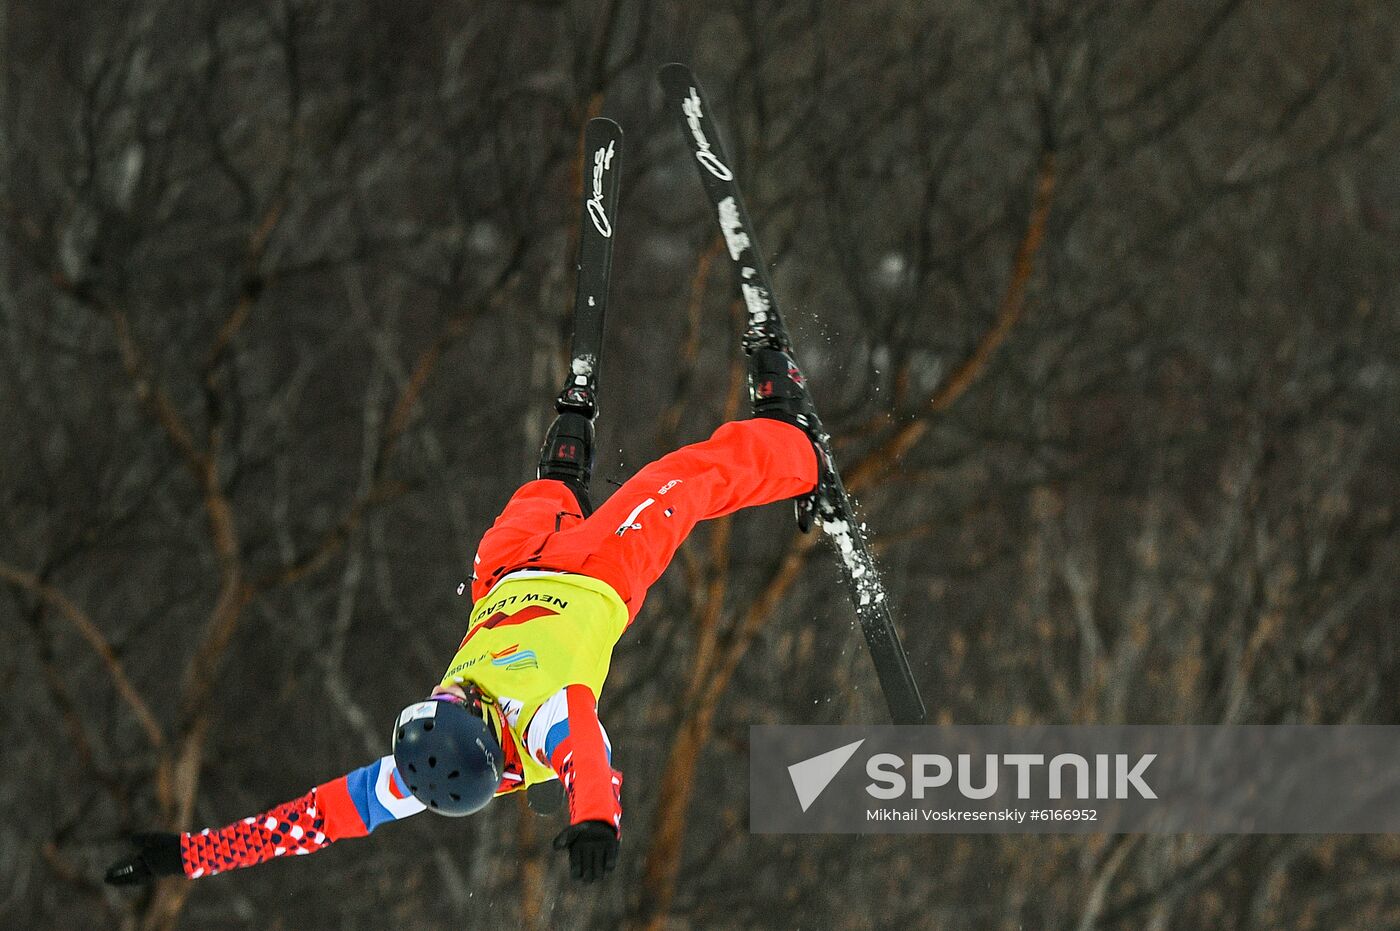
{"x":532,"y":635}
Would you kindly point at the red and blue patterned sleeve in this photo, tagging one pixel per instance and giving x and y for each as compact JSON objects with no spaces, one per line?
{"x":567,"y":733}
{"x":350,"y":806}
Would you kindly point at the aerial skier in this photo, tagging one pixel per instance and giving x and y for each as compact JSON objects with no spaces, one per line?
{"x":554,"y":586}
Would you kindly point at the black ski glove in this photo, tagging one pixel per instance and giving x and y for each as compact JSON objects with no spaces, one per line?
{"x":592,"y":847}
{"x":156,"y":855}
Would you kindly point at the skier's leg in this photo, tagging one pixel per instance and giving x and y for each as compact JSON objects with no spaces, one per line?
{"x":556,"y":501}
{"x":630,"y":539}
{"x":778,"y":390}
{"x":567,"y":455}
{"x":537,"y":510}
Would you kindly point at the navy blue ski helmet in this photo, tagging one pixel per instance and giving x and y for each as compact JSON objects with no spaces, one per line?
{"x":447,"y":756}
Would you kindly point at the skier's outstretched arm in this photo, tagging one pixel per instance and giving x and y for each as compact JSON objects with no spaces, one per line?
{"x":567,"y":730}
{"x":351,"y":806}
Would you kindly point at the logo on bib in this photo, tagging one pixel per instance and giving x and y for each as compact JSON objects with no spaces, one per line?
{"x":513,"y":658}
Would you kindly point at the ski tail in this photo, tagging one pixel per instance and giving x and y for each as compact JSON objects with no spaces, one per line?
{"x":841,"y":526}
{"x":686,"y":99}
{"x":765,"y":328}
{"x":602,"y":164}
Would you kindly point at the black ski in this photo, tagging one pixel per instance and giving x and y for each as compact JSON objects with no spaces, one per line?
{"x":602,"y":163}
{"x":568,"y":448}
{"x":765,"y":327}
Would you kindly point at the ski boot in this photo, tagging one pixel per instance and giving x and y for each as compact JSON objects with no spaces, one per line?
{"x":778,"y":390}
{"x":567,"y":455}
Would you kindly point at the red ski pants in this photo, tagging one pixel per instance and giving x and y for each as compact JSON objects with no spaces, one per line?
{"x":630,"y":539}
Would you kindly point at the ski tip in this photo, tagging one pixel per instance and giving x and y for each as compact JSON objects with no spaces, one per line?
{"x":673,"y":73}
{"x":603,"y":124}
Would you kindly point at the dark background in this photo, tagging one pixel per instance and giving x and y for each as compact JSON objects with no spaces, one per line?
{"x":1100,"y":299}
